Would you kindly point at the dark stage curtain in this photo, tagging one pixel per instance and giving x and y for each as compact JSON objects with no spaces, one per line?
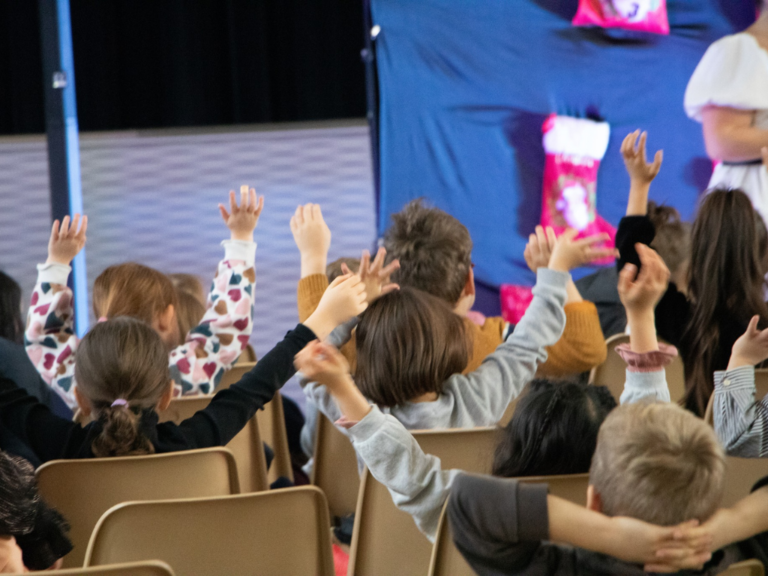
{"x":175,"y":63}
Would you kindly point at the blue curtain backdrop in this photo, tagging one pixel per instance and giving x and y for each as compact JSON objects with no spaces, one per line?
{"x":466,"y":84}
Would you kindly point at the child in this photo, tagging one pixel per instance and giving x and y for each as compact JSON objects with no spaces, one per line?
{"x":741,"y":420}
{"x":122,"y":376}
{"x":411,"y":350}
{"x":539,"y":446}
{"x":725,"y":281}
{"x":131,"y":289}
{"x":434,"y":254}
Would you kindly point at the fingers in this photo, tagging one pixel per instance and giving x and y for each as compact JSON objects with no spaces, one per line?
{"x":390,"y":269}
{"x":628,"y":145}
{"x":541,"y":237}
{"x":641,"y":147}
{"x":232,"y":202}
{"x":589,"y":240}
{"x":64,"y":230}
{"x":55,"y":230}
{"x":378,"y":261}
{"x":345,"y":269}
{"x":365,"y":264}
{"x":551,"y":238}
{"x":594,"y":254}
{"x":752,"y":328}
{"x":225,"y":215}
{"x":626,"y":277}
{"x":657,"y":160}
{"x":83,"y":227}
{"x":387,"y":288}
{"x":244,"y":197}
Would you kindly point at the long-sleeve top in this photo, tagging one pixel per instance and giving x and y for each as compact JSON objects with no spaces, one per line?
{"x":501,"y":527}
{"x":741,"y":420}
{"x":481,"y":397}
{"x":416,"y":481}
{"x":197,"y":365}
{"x":51,"y":437}
{"x":580,"y":348}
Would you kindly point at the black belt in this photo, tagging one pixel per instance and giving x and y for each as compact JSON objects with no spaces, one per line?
{"x":754,"y":162}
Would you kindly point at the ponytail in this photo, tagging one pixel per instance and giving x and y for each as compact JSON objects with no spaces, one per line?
{"x":120,"y":434}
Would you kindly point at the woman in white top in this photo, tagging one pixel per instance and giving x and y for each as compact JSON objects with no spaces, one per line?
{"x":728,"y":94}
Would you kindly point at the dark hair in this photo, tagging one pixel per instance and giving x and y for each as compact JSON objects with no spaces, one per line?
{"x":726,"y":281}
{"x":11,"y":323}
{"x":408,"y":344}
{"x":673,"y":236}
{"x":434,"y":249}
{"x":553,"y":430}
{"x":122,"y":359}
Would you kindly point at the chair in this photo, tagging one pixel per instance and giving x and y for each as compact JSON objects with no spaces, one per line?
{"x":385,"y":540}
{"x":234,"y":374}
{"x":272,"y":429}
{"x":745,"y":568}
{"x":761,"y":391}
{"x":82,"y":490}
{"x":612,"y":372}
{"x":335,"y":468}
{"x":152,"y":568}
{"x":283,"y":532}
{"x":248,"y":355}
{"x":448,"y":561}
{"x":247,"y":446}
{"x":741,"y":474}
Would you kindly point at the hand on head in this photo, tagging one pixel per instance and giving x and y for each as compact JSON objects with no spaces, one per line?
{"x":374,"y":274}
{"x":641,"y":292}
{"x":635,"y":158}
{"x":323,"y":363}
{"x":689,"y":547}
{"x":66,"y":240}
{"x":569,"y":253}
{"x":242,"y":220}
{"x":539,"y":248}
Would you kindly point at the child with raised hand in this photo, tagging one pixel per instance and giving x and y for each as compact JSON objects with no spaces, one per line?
{"x":741,"y":419}
{"x":197,"y":362}
{"x":123,"y":380}
{"x":412,"y":349}
{"x":541,"y":444}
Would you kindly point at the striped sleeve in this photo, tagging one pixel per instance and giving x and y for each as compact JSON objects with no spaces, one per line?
{"x":741,"y":422}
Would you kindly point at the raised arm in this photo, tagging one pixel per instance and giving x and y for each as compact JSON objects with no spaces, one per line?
{"x":49,"y":338}
{"x":313,"y":239}
{"x":487,"y":391}
{"x":741,"y":420}
{"x":214,"y":345}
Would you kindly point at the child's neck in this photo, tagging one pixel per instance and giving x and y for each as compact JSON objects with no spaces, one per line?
{"x":428,"y":397}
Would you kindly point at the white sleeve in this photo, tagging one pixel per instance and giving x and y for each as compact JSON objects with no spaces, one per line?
{"x":733,"y":72}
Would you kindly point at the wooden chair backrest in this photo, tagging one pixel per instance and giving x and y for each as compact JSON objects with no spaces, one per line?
{"x":334,"y":470}
{"x":148,"y":568}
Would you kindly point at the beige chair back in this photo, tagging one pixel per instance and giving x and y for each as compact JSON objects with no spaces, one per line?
{"x":247,"y":446}
{"x":82,"y":490}
{"x":385,"y":540}
{"x":334,"y":470}
{"x":745,"y":568}
{"x":761,"y":391}
{"x":248,"y":356}
{"x":272,"y":429}
{"x":612,"y":372}
{"x":741,"y":474}
{"x":285,"y":532}
{"x":448,"y":561}
{"x":234,"y":374}
{"x":152,"y":568}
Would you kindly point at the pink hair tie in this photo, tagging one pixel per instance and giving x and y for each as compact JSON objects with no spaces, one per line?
{"x":103,"y":319}
{"x":120,"y":402}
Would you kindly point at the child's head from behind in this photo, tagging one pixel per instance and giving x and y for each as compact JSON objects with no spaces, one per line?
{"x":553,"y":430}
{"x":672,"y":241}
{"x":122,"y":371}
{"x":11,"y":323}
{"x":140,"y":292}
{"x":435,"y":253}
{"x":658,"y":463}
{"x":408,"y":344}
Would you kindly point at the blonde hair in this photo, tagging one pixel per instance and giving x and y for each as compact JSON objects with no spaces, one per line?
{"x":133,"y":290}
{"x":191,"y":301}
{"x":122,"y":359}
{"x":189,"y":284}
{"x":658,"y":463}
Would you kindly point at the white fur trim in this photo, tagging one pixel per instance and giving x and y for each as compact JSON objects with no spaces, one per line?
{"x":576,"y":136}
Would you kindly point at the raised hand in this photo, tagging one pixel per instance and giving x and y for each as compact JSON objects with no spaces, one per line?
{"x":344,"y":299}
{"x":66,"y":240}
{"x":751,"y":348}
{"x":374,"y":274}
{"x":323,"y":363}
{"x":569,"y":253}
{"x":312,"y":237}
{"x":641,"y":292}
{"x":242,"y":220}
{"x":635,"y":158}
{"x":539,"y":248}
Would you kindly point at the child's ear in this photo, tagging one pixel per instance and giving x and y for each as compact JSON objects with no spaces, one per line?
{"x":594,"y":501}
{"x":469,"y":286}
{"x":83,"y":403}
{"x":165,"y":399}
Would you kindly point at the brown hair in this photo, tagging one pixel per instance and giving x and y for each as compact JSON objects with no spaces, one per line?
{"x":673,"y":236}
{"x":189,"y":312}
{"x":408,"y":344}
{"x":133,"y":290}
{"x":122,"y":359}
{"x":434,"y":249}
{"x":190,"y":284}
{"x":726,"y":280}
{"x":658,"y":463}
{"x":333,"y":270}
